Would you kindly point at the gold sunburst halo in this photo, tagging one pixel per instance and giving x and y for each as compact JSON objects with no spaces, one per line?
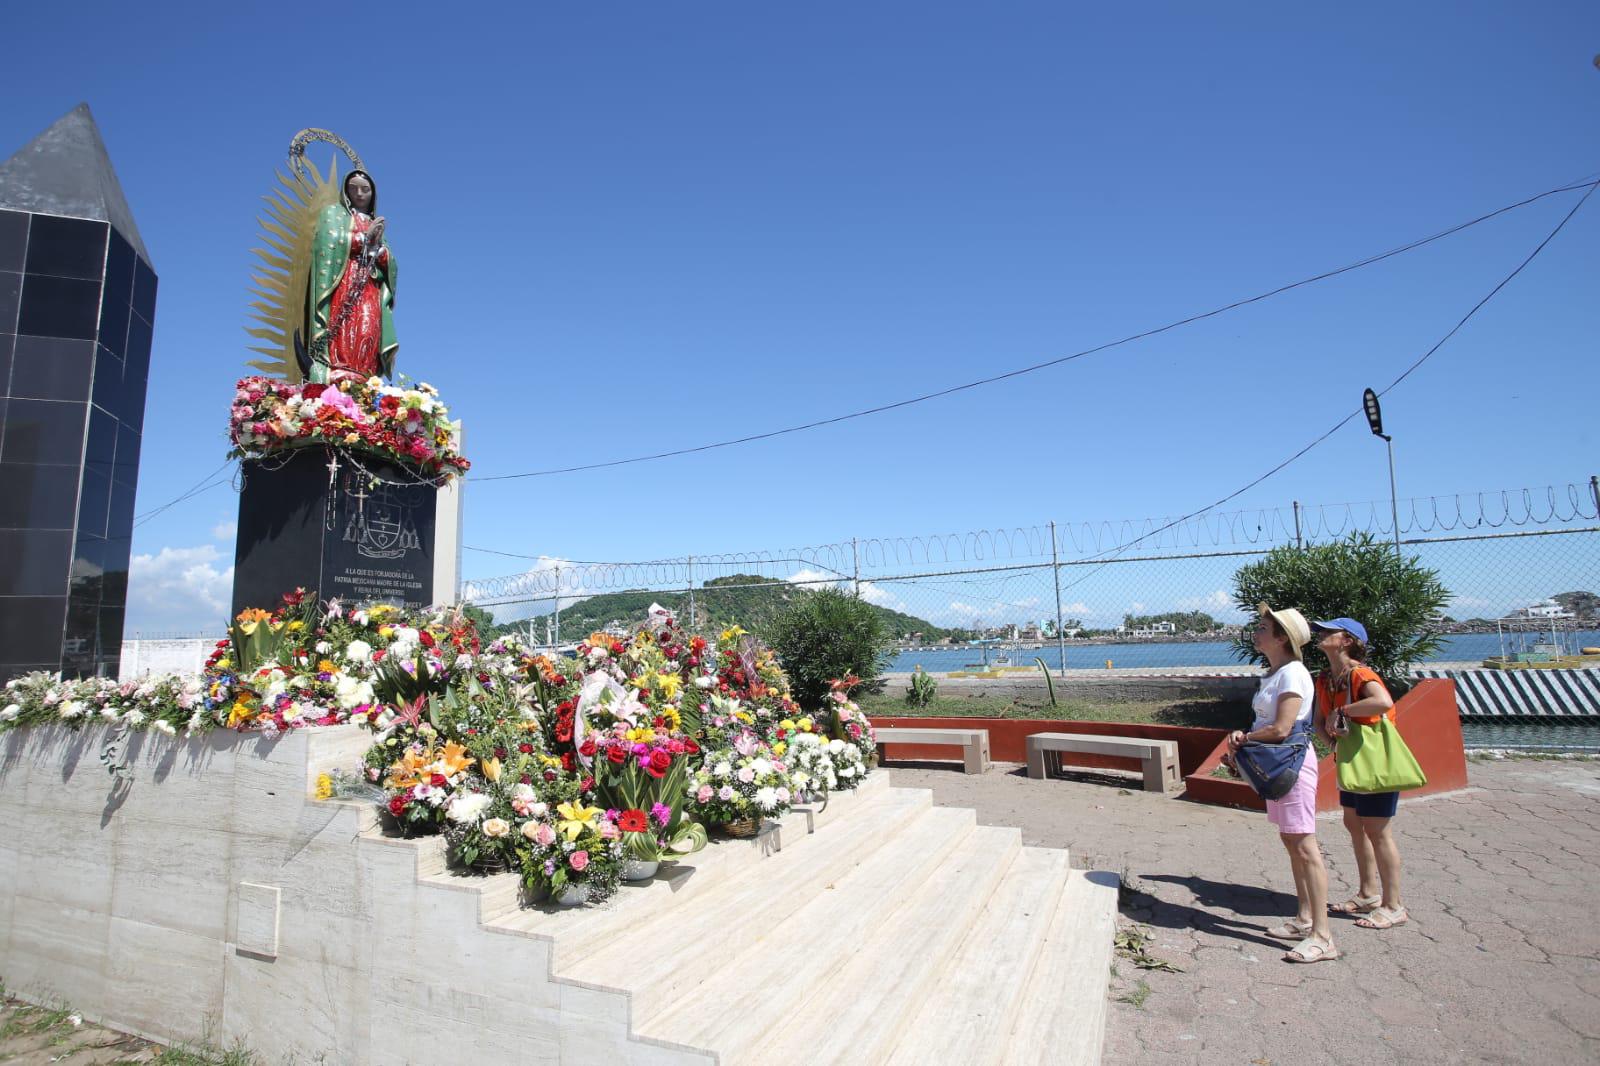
{"x":282,"y":272}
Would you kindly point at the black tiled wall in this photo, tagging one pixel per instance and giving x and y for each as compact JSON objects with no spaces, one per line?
{"x":76,"y":312}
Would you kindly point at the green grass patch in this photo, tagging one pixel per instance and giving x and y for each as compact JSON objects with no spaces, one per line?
{"x":1214,"y":714}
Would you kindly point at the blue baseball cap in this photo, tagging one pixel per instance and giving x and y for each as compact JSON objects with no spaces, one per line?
{"x":1349,"y":625}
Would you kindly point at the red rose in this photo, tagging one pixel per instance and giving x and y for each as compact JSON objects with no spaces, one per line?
{"x":397,"y":805}
{"x":660,"y":761}
{"x":549,"y":775}
{"x":425,"y":639}
{"x":525,"y":780}
{"x":634,"y":821}
{"x":440,"y":781}
{"x":587,"y":749}
{"x":617,"y":755}
{"x":559,"y":679}
{"x":500,"y":753}
{"x":586,"y":785}
{"x":525,"y":748}
{"x":690,"y":746}
{"x":566,"y":761}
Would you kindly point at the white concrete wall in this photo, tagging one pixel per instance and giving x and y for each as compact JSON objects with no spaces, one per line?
{"x":165,"y":655}
{"x":211,"y":898}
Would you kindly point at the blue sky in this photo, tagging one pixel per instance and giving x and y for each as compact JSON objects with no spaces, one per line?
{"x":627,"y":228}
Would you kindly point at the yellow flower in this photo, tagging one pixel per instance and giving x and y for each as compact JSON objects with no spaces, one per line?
{"x":786,"y":724}
{"x":324,"y":787}
{"x":743,"y":716}
{"x":549,"y":760}
{"x":673,"y":719}
{"x":670,"y":684}
{"x":732,"y":633}
{"x":240,"y":711}
{"x":386,"y":632}
{"x":224,"y":663}
{"x":454,"y":758}
{"x":804,"y":724}
{"x":575,"y":818}
{"x":491,"y":769}
{"x":296,"y":626}
{"x":779,"y":748}
{"x":327,"y":666}
{"x":253,"y":614}
{"x":381,"y":610}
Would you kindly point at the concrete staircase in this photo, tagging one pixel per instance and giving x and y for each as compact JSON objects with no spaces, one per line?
{"x":875,"y":929}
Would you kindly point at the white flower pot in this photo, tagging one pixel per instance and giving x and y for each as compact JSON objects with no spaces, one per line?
{"x":573,"y":895}
{"x":639,"y":869}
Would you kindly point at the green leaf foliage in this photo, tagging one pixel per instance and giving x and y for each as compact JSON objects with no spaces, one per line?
{"x":826,"y":634}
{"x":1394,"y":596}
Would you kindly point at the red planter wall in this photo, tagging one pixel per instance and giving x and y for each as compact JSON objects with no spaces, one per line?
{"x":1008,"y":735}
{"x":1427,"y":719}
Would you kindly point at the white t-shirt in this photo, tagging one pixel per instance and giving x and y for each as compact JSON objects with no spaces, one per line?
{"x":1291,"y":677}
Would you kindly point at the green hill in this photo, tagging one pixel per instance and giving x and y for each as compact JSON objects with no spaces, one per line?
{"x":718,"y":604}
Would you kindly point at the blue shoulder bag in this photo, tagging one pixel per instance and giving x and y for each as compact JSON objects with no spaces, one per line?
{"x":1272,"y":769}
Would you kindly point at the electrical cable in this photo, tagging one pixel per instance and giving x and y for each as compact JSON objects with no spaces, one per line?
{"x":951,"y":390}
{"x":1492,"y":293}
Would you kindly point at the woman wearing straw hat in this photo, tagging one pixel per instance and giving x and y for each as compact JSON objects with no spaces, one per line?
{"x":1282,"y":703}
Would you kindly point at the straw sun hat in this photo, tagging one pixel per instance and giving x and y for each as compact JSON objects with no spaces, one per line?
{"x":1293,"y":624}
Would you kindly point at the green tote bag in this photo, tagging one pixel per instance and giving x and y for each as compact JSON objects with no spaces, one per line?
{"x":1374,"y":758}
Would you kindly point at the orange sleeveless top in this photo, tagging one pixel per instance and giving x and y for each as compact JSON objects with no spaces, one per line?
{"x":1349,"y":693}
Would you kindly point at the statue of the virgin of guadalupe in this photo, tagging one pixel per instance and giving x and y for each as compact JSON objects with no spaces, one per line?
{"x":349,"y":324}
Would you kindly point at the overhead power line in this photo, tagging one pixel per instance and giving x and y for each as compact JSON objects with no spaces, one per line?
{"x":1407,"y":372}
{"x":1144,"y":335}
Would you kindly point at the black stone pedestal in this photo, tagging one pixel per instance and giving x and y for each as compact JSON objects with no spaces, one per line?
{"x":333,"y":532}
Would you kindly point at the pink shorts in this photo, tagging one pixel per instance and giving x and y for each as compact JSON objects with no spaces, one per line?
{"x":1297,"y":812}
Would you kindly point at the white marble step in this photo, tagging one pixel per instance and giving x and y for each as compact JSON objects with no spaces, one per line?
{"x":583,"y":932}
{"x":1063,"y":1022}
{"x":713,"y":933}
{"x":969,"y":1014}
{"x":902,"y":943}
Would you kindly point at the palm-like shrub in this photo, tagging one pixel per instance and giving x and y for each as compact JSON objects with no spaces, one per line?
{"x":1394,"y":596}
{"x":825,"y":635}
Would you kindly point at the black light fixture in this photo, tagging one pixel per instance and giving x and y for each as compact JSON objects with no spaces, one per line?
{"x":1369,"y":400}
{"x":1369,"y":403}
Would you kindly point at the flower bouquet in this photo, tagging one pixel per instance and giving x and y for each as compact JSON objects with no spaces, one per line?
{"x":735,"y":788}
{"x":820,"y":765}
{"x":407,"y":425}
{"x":572,"y":851}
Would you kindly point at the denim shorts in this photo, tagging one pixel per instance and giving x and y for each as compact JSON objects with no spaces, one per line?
{"x":1371,"y":804}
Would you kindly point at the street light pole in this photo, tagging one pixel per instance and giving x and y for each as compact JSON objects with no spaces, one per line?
{"x":1369,"y":403}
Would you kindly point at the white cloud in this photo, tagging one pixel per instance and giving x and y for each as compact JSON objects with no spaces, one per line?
{"x":225,"y":530}
{"x":531,"y":593}
{"x":814,"y":578}
{"x":179,"y":590}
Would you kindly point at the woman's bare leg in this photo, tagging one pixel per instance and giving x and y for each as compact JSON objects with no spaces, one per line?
{"x":1366,"y":861}
{"x":1380,"y":840}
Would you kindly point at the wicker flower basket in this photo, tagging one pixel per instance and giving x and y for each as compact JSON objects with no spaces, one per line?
{"x":739,"y":828}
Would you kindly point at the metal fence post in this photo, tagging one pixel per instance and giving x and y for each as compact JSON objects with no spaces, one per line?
{"x":690,"y":580}
{"x":1594,"y":490}
{"x":556,"y":641}
{"x":1055,"y":570}
{"x":1299,"y":541}
{"x":855,"y":555}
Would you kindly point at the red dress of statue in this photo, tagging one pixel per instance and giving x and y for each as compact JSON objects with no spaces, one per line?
{"x":355,"y":344}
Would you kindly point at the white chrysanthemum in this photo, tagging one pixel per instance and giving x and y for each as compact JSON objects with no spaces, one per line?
{"x":10,"y":713}
{"x":468,"y":807}
{"x":358,"y":651}
{"x":348,"y":692}
{"x":722,"y":769}
{"x":761,"y":766}
{"x":134,"y":718}
{"x":835,"y":747}
{"x":767,"y":798}
{"x":161,"y":725}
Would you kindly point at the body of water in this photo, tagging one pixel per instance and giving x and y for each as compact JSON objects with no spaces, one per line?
{"x":1462,"y":647}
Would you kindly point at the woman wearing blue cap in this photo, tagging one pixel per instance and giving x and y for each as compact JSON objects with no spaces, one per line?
{"x":1351,"y":691}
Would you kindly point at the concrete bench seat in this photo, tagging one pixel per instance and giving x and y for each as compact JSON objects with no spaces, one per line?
{"x":974,"y":743}
{"x":1159,"y":757}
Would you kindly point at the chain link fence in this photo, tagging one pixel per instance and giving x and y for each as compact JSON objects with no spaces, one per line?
{"x":1152,"y":594}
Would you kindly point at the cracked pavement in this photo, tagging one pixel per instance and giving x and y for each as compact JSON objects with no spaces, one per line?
{"x":1500,"y":962}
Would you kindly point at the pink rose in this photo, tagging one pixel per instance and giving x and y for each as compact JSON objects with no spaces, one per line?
{"x":545,"y":836}
{"x":579,"y":860}
{"x":705,"y":794}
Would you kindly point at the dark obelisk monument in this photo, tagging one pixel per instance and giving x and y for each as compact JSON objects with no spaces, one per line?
{"x":77,"y":305}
